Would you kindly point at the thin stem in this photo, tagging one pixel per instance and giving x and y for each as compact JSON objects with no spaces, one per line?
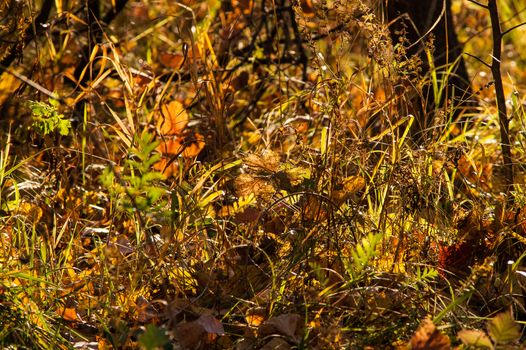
{"x":499,"y":91}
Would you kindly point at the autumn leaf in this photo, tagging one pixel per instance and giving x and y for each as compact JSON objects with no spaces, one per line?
{"x":255,"y":316}
{"x":243,"y":6}
{"x":267,"y":161}
{"x":474,"y":338}
{"x":246,"y":184}
{"x":286,"y":324}
{"x":171,"y":60}
{"x":69,"y":314}
{"x":427,"y":337}
{"x":503,"y":328}
{"x":193,"y":144}
{"x":353,"y":184}
{"x":307,"y":8}
{"x":194,"y":334}
{"x":172,"y":119}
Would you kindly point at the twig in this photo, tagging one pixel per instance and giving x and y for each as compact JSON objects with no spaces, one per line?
{"x":513,"y":28}
{"x":499,"y":91}
{"x":479,"y":4}
{"x":32,"y":84}
{"x":478,"y":59}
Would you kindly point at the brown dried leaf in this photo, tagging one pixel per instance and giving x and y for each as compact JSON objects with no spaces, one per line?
{"x":246,"y":184}
{"x":353,"y":184}
{"x":269,"y":161}
{"x":276,"y":344}
{"x":198,"y":333}
{"x":286,"y":324}
{"x":427,"y":337}
{"x":210,"y":324}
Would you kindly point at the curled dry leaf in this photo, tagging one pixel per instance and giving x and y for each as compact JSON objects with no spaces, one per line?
{"x":428,"y":337}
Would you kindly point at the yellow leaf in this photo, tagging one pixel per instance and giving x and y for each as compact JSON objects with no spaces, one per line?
{"x":474,"y":338}
{"x":353,"y":184}
{"x":503,"y":328}
{"x":69,"y":314}
{"x":8,"y":85}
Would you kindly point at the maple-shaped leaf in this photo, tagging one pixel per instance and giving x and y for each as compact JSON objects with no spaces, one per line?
{"x":428,"y":337}
{"x":172,"y":119}
{"x":503,"y":329}
{"x":475,"y":338}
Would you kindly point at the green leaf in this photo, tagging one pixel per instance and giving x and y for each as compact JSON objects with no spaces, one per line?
{"x":153,"y":338}
{"x":475,"y":338}
{"x":364,"y":252}
{"x":503,"y":328}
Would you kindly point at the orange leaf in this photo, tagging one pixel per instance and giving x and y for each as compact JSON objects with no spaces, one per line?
{"x":427,"y":337}
{"x":69,"y":314}
{"x":172,"y":119}
{"x":244,"y":6}
{"x":308,"y":8}
{"x":163,"y":167}
{"x":193,"y":145}
{"x":171,"y":60}
{"x":171,"y":147}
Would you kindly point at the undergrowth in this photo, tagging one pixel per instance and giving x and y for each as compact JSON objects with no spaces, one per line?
{"x":252,"y":175}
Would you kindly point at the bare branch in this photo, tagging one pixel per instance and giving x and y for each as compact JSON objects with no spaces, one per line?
{"x":513,"y":28}
{"x":478,"y":59}
{"x":479,"y":4}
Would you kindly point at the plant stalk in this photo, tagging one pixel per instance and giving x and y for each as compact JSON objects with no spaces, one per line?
{"x":504,"y":122}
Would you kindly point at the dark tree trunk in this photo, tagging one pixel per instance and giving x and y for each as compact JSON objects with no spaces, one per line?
{"x":418,"y":21}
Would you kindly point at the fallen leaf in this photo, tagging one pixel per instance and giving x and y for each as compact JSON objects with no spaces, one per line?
{"x":255,"y":316}
{"x":503,"y":328}
{"x":276,"y":344}
{"x":474,"y":338}
{"x":353,"y":184}
{"x":195,"y":334}
{"x":427,"y":337}
{"x":171,"y":60}
{"x":69,"y":314}
{"x":286,"y":324}
{"x":172,"y":119}
{"x":210,"y":324}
